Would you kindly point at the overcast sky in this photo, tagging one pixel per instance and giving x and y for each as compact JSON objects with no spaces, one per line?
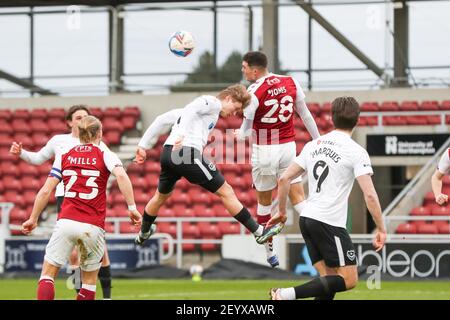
{"x":67,"y":45}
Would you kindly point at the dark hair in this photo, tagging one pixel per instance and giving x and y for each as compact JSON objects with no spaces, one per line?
{"x":255,"y":59}
{"x":74,"y":109}
{"x":345,"y":112}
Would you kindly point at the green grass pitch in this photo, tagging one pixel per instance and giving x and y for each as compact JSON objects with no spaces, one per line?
{"x":147,"y":289}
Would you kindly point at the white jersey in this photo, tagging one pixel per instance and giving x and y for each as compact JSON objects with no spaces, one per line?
{"x":332,"y":163}
{"x":195,"y":123}
{"x":56,"y":146}
{"x":161,"y":125}
{"x":444,"y":163}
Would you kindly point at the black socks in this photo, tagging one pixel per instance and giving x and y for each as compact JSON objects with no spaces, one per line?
{"x":147,"y":221}
{"x":322,"y":288}
{"x":104,"y":275}
{"x":246,"y":219}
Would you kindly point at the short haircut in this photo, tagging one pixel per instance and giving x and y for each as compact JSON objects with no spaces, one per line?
{"x":74,"y":109}
{"x":238,"y":93}
{"x":345,"y":112}
{"x":88,"y":129}
{"x":255,"y":59}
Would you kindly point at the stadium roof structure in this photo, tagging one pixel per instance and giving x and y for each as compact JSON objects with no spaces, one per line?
{"x":36,"y":3}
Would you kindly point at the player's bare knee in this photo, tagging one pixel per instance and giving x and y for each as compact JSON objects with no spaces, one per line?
{"x":351,"y":280}
{"x":226,"y":192}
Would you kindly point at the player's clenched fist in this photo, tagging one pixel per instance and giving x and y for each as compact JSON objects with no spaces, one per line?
{"x":28,"y":226}
{"x":16,"y":148}
{"x":141,"y":155}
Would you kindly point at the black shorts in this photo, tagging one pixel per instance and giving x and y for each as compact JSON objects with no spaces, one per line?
{"x":329,"y":243}
{"x":189,"y":163}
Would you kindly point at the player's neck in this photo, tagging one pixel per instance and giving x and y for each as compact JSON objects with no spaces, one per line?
{"x":262,"y":75}
{"x":347,"y":132}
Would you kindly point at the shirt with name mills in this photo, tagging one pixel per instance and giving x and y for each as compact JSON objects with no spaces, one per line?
{"x":85,"y":170}
{"x":332,"y":163}
{"x":57,"y":145}
{"x":195,"y":123}
{"x":444,"y":163}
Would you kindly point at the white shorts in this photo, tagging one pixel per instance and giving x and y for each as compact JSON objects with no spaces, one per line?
{"x":89,"y":239}
{"x":269,"y":162}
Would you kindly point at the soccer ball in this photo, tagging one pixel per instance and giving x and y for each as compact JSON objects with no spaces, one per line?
{"x":196,"y":269}
{"x":181,"y":43}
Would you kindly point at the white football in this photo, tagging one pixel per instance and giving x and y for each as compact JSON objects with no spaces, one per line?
{"x":196,"y":269}
{"x":181,"y":43}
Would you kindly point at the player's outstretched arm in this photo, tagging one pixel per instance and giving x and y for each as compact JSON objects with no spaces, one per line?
{"x":307,"y":118}
{"x":373,"y":204}
{"x":36,"y":158}
{"x":436,"y":185}
{"x":284,"y":184}
{"x":126,"y":189}
{"x":158,"y":127}
{"x":40,"y":203}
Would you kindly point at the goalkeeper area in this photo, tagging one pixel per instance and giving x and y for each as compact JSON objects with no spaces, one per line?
{"x":147,"y":289}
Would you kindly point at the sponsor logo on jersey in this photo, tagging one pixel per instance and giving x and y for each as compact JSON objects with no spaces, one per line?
{"x":83,"y":149}
{"x":271,"y":82}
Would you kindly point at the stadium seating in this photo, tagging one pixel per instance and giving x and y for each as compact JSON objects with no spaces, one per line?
{"x":20,"y":181}
{"x":34,"y":128}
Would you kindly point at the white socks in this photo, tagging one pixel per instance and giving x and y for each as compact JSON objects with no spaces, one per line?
{"x":299,"y":207}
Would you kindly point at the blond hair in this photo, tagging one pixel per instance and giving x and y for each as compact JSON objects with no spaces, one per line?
{"x":238,"y":93}
{"x":88,"y":129}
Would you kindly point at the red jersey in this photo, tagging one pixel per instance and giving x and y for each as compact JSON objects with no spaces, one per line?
{"x":85,"y":170}
{"x":272,"y":107}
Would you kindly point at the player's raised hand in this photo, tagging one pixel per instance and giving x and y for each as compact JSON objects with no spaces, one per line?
{"x":442,"y":199}
{"x":141,"y":155}
{"x":135,"y":217}
{"x":28,"y":226}
{"x":16,"y":148}
{"x":379,"y":240}
{"x":279,"y":217}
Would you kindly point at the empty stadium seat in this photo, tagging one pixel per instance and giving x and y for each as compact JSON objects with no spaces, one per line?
{"x":389,"y":106}
{"x":429,"y":105}
{"x":152,"y":167}
{"x":406,"y":228}
{"x":409,"y":106}
{"x":126,"y":227}
{"x":39,"y":113}
{"x":369,"y":107}
{"x":420,"y":211}
{"x":427,"y":229}
{"x":57,"y":114}
{"x":229,"y":227}
{"x":21,"y":114}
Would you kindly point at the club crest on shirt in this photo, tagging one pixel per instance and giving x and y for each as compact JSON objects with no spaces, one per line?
{"x":211,"y":166}
{"x":211,"y":125}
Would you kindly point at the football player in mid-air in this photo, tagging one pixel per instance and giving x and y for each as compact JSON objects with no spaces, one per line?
{"x":270,"y":116}
{"x":182,"y":156}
